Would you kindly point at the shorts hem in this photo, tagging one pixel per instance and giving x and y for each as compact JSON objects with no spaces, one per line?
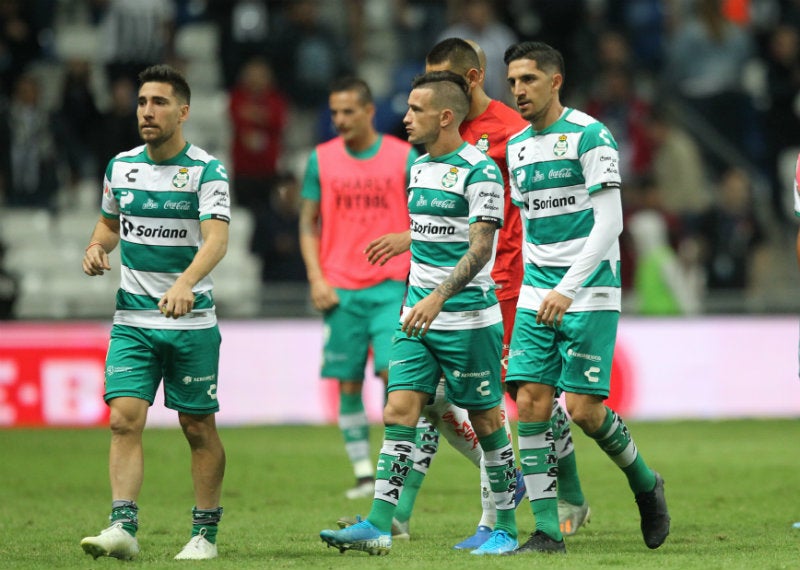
{"x":127,"y":394}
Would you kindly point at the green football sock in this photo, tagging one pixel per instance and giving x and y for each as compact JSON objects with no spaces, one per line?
{"x":355,"y":430}
{"x":394,"y":465}
{"x":126,"y":512}
{"x":207,"y":519}
{"x":537,"y":453}
{"x":614,"y":438}
{"x":569,"y":485}
{"x":426,"y":445}
{"x":500,"y":463}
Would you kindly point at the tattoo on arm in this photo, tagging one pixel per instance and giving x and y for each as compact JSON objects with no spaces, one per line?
{"x":481,"y":244}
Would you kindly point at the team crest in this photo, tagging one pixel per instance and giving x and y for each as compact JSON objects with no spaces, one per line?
{"x":181,"y":179}
{"x":483,"y":143}
{"x":560,"y":148}
{"x":451,"y":178}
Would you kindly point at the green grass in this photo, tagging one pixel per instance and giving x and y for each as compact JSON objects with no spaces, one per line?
{"x":732,"y":489}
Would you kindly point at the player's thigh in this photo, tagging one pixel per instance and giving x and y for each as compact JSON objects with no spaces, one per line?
{"x":385,"y":303}
{"x":534,"y":355}
{"x":508,"y":308}
{"x":587,"y":350}
{"x":470,"y":360}
{"x":133,"y":367}
{"x":413,"y":365}
{"x":345,"y":339}
{"x":191,"y":370}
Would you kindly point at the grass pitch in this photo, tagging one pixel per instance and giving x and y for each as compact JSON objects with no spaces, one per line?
{"x":732,"y":489}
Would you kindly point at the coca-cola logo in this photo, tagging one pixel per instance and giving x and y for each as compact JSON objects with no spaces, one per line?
{"x":182,"y":205}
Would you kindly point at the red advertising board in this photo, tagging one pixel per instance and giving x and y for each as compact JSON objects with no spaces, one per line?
{"x":52,"y":375}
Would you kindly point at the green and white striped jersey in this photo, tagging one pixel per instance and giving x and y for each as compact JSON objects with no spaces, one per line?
{"x":553,"y":172}
{"x":160,"y":207}
{"x":446,"y":194}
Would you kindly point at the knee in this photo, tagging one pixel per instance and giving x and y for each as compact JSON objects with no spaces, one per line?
{"x":534,"y":403}
{"x":588,"y":415}
{"x":486,"y":422}
{"x":196,"y":430}
{"x":393,"y":414}
{"x":399,"y":411}
{"x":124,"y":423}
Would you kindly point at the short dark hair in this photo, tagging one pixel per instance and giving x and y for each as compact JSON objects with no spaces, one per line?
{"x":353,"y":84}
{"x":450,"y":90}
{"x":461,"y":55}
{"x":546,"y":57}
{"x":167,"y":74}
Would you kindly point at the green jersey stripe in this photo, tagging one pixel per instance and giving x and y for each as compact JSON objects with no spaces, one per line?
{"x":549,"y":277}
{"x":438,"y":253}
{"x":133,"y":302}
{"x":468,"y":299}
{"x":561,"y":228}
{"x":159,"y":259}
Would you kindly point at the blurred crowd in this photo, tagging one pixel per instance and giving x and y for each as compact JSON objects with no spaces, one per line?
{"x":703,"y":97}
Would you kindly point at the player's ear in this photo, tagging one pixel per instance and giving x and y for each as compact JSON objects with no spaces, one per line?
{"x":474,"y":77}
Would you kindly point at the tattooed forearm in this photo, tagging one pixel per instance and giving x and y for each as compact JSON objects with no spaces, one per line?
{"x":481,"y":242}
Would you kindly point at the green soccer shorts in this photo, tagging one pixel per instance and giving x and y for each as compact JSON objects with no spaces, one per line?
{"x":363,"y":319}
{"x":468,"y":359}
{"x":187,"y":361}
{"x":573,"y":357}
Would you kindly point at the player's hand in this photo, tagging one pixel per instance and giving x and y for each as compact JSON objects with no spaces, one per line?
{"x":387,"y":246}
{"x":323,"y":296}
{"x":551,"y":311}
{"x":95,"y":260}
{"x":177,"y":301}
{"x":419,"y":318}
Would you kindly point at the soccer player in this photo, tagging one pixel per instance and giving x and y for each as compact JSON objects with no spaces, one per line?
{"x":355,"y":186}
{"x":451,"y":323}
{"x":488,"y":125}
{"x":565,"y":178}
{"x":167,"y":206}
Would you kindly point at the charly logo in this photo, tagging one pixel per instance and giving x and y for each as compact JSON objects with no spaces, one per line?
{"x":451,"y":178}
{"x":483,"y":143}
{"x":181,"y":179}
{"x":560,"y":148}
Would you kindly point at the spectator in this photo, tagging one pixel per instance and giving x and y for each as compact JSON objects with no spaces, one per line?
{"x":662,"y":284}
{"x":646,"y":24}
{"x":417,"y":23}
{"x":118,"y":125}
{"x":704,"y":66}
{"x":618,"y":106}
{"x":478,"y":22}
{"x":9,"y":288}
{"x":258,"y":112}
{"x":243,"y":28}
{"x":138,"y":33}
{"x":734,"y":244}
{"x":782,"y":121}
{"x":77,"y":121}
{"x":32,"y":178}
{"x":678,"y":169}
{"x":307,"y":54}
{"x":275,"y":235}
{"x":19,"y":45}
